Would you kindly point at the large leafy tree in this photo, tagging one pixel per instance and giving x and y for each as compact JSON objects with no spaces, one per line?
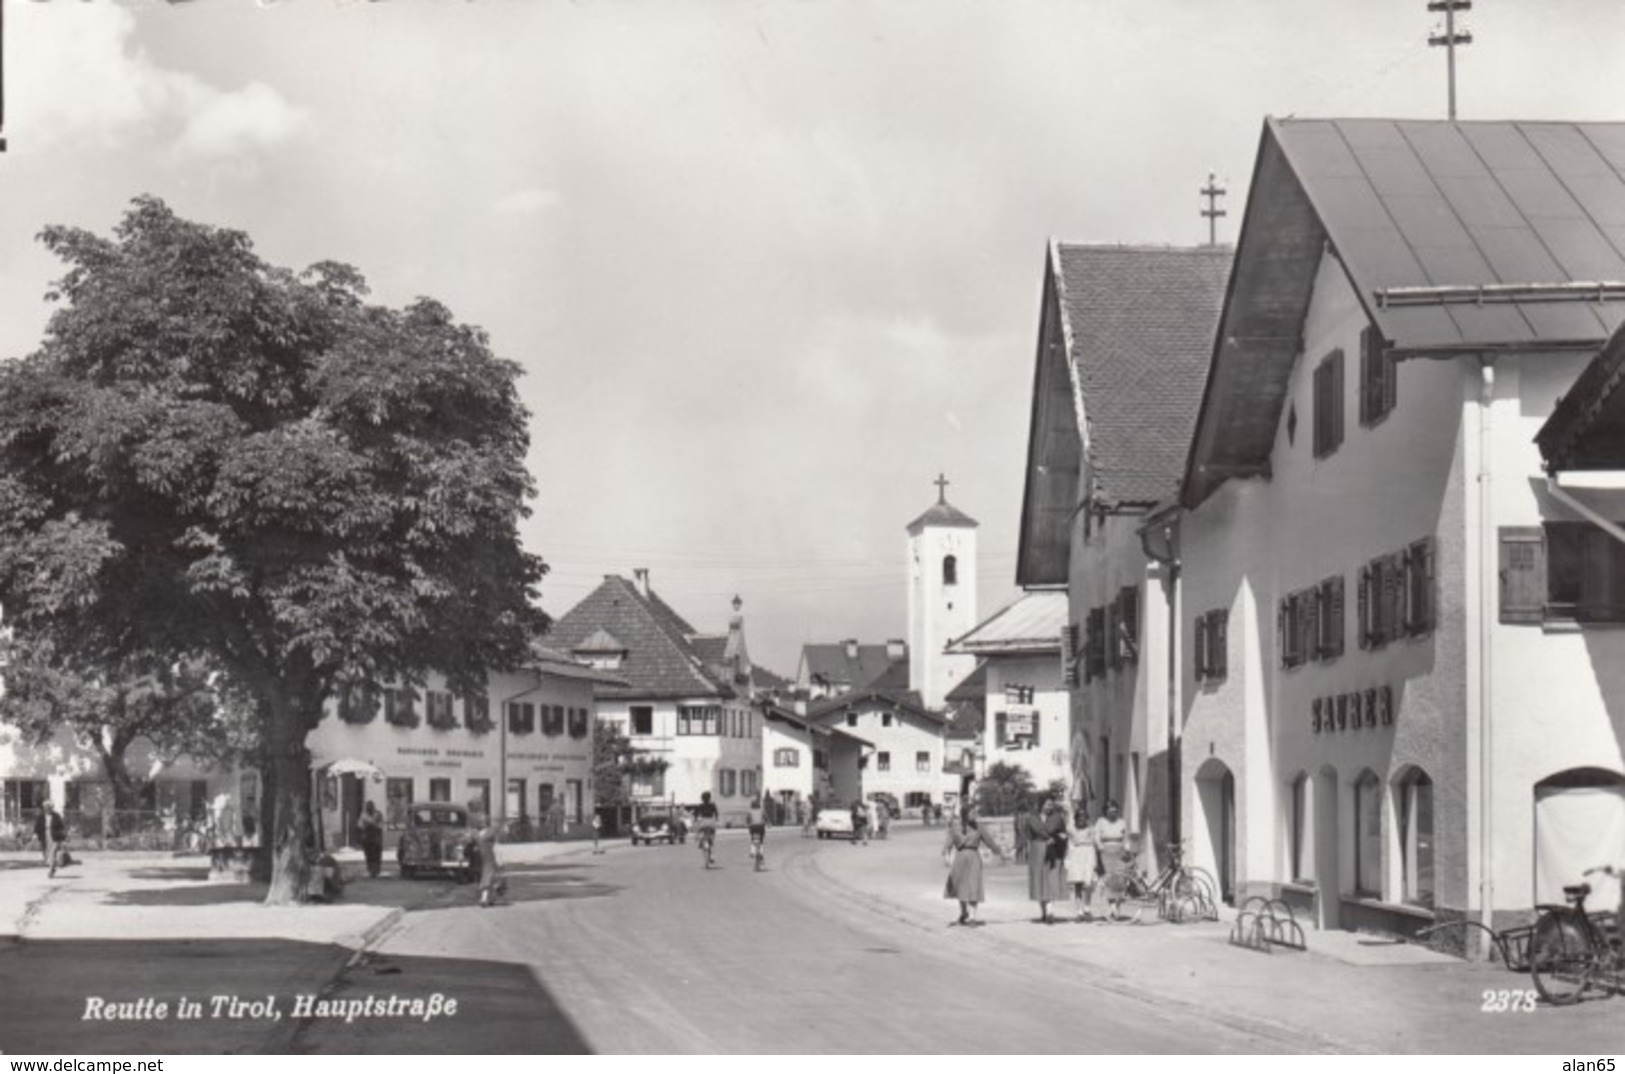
{"x":210,"y":455}
{"x":178,"y":706}
{"x":1005,"y":788}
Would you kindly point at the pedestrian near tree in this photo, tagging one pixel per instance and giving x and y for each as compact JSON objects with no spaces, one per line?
{"x":1046,"y":858}
{"x":962,"y":853}
{"x":485,"y":846}
{"x":371,"y":825}
{"x":52,"y":833}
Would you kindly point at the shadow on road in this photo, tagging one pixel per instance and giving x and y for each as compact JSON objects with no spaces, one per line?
{"x":57,"y":993}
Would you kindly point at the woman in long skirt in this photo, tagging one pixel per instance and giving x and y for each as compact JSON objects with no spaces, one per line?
{"x":1082,"y":862}
{"x":1046,"y":858}
{"x":963,"y":855}
{"x":1112,"y":842}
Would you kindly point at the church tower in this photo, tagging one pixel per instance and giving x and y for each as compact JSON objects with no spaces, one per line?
{"x":941,"y":596}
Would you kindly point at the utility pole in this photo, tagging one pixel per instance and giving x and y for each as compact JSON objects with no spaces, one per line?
{"x":1212,"y":192}
{"x":1450,"y":39}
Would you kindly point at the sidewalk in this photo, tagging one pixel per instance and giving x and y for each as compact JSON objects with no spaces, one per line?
{"x":1356,"y":992}
{"x":158,"y":896}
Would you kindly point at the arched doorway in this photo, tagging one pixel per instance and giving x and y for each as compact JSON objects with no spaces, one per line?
{"x":1214,"y":840}
{"x":1579,"y":824}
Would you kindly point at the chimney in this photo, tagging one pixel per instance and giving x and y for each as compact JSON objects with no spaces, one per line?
{"x":640,"y":575}
{"x":896,"y":649}
{"x":851,"y":645}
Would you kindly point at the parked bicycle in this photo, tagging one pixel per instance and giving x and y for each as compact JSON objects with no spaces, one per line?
{"x":1181,"y":892}
{"x":1573,"y":949}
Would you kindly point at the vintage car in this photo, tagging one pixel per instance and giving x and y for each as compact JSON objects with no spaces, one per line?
{"x":654,"y":828}
{"x":439,"y":838}
{"x":834,"y":821}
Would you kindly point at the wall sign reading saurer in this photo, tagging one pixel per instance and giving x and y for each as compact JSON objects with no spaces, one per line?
{"x":1353,"y":710}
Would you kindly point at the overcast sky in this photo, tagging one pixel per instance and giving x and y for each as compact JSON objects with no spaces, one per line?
{"x":769,"y":267}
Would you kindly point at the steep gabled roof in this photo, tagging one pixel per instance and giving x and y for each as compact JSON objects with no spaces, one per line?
{"x":972,"y":688}
{"x":902,"y":700}
{"x":1029,"y":624}
{"x":1587,"y":428}
{"x":1455,"y":237}
{"x":660,"y":661}
{"x":832,"y":664}
{"x":1124,"y":339}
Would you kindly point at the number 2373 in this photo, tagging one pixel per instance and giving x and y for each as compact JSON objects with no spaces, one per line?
{"x":1504,"y":1000}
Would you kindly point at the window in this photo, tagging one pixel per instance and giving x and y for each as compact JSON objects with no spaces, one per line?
{"x":643,"y":720}
{"x":521,"y":717}
{"x":437,"y":708}
{"x":400,"y":706}
{"x":1299,"y":848}
{"x":440,"y":789}
{"x":950,"y":570}
{"x":787,"y":757}
{"x":1126,"y":633}
{"x":1069,"y":654}
{"x":698,"y":719}
{"x":1212,"y":645}
{"x":713,"y":716}
{"x":727,"y":782}
{"x":883,"y":761}
{"x":1295,"y":626}
{"x":479,"y":795}
{"x":885,"y":719}
{"x":477,"y":713}
{"x":578,"y":723}
{"x":1398,"y":595}
{"x":1378,"y":380}
{"x":922,"y":761}
{"x":1329,"y":404}
{"x":649,"y":784}
{"x":553,"y":720}
{"x":851,"y":719}
{"x":1416,"y":836}
{"x":1094,"y":646}
{"x":516,"y":799}
{"x":1018,"y":695}
{"x":1328,"y":642}
{"x":820,"y":760}
{"x":1585,"y":573}
{"x":747,"y":782}
{"x":1001,"y":727}
{"x":397,"y":800}
{"x":1368,"y":836}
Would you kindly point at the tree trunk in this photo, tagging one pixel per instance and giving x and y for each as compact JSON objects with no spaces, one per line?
{"x":288,"y":762}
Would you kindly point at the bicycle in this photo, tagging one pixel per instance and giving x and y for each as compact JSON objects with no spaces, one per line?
{"x":756,"y":854}
{"x":707,"y":841}
{"x":1572,"y":948}
{"x":1182,"y":892}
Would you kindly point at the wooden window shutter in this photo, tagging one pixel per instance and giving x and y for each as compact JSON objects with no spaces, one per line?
{"x":1129,"y":598}
{"x":1221,"y":623}
{"x":1370,"y":385}
{"x":1421,"y":614}
{"x":1201,"y":648}
{"x":1523,"y":574}
{"x":1069,"y":654}
{"x":1000,"y":721}
{"x":1309,"y":618}
{"x":1114,"y":650}
{"x":1332,"y":613}
{"x":1364,"y":624}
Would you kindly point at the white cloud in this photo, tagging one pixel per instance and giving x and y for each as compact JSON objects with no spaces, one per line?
{"x":220,"y":124}
{"x":81,"y":81}
{"x":528,"y":202}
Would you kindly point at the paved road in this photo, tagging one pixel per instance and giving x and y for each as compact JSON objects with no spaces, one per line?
{"x":641,"y":950}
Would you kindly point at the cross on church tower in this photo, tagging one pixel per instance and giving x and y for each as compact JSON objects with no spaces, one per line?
{"x":942,"y":488}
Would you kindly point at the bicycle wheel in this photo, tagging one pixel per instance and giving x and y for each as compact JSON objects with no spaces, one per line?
{"x":1561,"y":958}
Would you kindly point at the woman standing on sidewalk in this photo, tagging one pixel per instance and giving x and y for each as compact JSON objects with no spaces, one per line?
{"x":963,"y":855}
{"x":1083,"y":861}
{"x":1112,"y":842}
{"x":1046,"y":858}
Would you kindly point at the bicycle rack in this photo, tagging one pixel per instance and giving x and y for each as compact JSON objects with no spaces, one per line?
{"x":1265,"y":924}
{"x":1513,"y":944}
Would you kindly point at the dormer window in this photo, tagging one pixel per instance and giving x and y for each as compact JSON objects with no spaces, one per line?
{"x":950,"y":570}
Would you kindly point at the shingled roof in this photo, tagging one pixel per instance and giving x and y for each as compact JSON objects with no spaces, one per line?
{"x":661,"y":661}
{"x":847,"y":665}
{"x":1124,"y":341}
{"x":902,"y":700}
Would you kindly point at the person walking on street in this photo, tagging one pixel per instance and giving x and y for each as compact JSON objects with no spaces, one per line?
{"x":882,"y":819}
{"x":52,"y":833}
{"x":1046,"y":858}
{"x":1113,"y":844}
{"x":962,"y":853}
{"x":597,"y":830}
{"x":371,"y":825}
{"x":756,"y":824}
{"x":1082,"y":863}
{"x":860,"y":822}
{"x":485,"y":847}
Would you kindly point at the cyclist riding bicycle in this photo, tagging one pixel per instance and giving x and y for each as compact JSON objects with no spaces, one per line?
{"x":705,"y":821}
{"x":756,"y":820}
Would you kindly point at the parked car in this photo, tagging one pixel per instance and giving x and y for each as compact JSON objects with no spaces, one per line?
{"x":439,"y":838}
{"x":833,"y":822}
{"x":654,"y":828}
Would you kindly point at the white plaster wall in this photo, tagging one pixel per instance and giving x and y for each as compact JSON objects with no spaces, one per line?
{"x":938,"y":614}
{"x":1052,"y":759}
{"x":906,"y":736}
